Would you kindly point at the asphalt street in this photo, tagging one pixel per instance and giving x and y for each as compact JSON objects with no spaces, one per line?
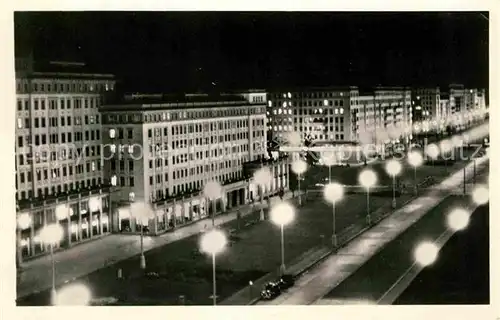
{"x":461,"y":275}
{"x":254,"y":252}
{"x":372,"y":280}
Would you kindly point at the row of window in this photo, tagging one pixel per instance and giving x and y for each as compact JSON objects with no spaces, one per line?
{"x":66,"y":137}
{"x":60,"y":153}
{"x":57,"y":86}
{"x":55,"y":173}
{"x":310,"y":128}
{"x":59,"y":103}
{"x":313,"y":95}
{"x":57,"y":122}
{"x":76,"y":185}
{"x":112,"y":118}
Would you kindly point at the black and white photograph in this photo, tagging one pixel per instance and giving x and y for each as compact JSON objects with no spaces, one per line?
{"x":251,"y":158}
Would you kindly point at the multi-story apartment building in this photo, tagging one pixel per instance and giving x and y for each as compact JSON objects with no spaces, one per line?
{"x":380,"y":112}
{"x":320,"y":114}
{"x":426,"y":104}
{"x":58,"y":151}
{"x":162,"y":150}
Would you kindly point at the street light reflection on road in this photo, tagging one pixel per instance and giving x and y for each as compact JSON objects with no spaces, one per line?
{"x":426,"y":253}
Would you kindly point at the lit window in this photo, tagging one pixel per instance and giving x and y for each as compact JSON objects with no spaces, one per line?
{"x":290,"y":95}
{"x":290,"y":111}
{"x":107,"y":87}
{"x":113,"y":148}
{"x":284,"y":95}
{"x":341,"y":110}
{"x":325,"y":102}
{"x":275,"y":128}
{"x":336,"y":111}
{"x":19,"y":123}
{"x":320,"y":110}
{"x":112,"y":133}
{"x":274,"y":111}
{"x":270,"y":103}
{"x":284,"y":104}
{"x":93,"y":165}
{"x":280,"y":128}
{"x":279,"y":111}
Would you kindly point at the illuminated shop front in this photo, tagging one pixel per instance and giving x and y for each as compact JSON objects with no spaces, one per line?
{"x":82,"y":217}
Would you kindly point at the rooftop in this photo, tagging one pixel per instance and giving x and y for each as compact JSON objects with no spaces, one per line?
{"x":60,"y":69}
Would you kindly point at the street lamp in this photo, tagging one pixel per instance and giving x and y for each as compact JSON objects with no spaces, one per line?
{"x":74,"y":295}
{"x":213,"y":242}
{"x":415,"y":160}
{"x":329,"y":160}
{"x":426,"y":253}
{"x":393,"y":168}
{"x":142,"y":213}
{"x":263,"y":178}
{"x":480,"y":195}
{"x":333,"y":192}
{"x":446,"y":147}
{"x":23,"y":222}
{"x":432,"y":151}
{"x":282,"y":214}
{"x":368,"y":178}
{"x":458,"y":219}
{"x":212,"y":190}
{"x":299,"y":167}
{"x":50,"y":235}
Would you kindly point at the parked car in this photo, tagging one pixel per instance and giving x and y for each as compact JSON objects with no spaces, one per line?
{"x":286,"y":281}
{"x":271,"y":290}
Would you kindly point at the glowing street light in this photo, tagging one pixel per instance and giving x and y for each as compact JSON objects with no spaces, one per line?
{"x":23,"y":222}
{"x":432,"y":151}
{"x":282,"y":214}
{"x":213,"y":242}
{"x":367,"y":178}
{"x":263,"y":177}
{"x":141,"y":211}
{"x":480,"y":195}
{"x":212,"y":191}
{"x":73,"y":295}
{"x":426,"y":253}
{"x":415,"y":159}
{"x":458,"y":219}
{"x":299,"y":167}
{"x":393,"y":168}
{"x":328,"y":159}
{"x":333,"y":192}
{"x":51,"y":235}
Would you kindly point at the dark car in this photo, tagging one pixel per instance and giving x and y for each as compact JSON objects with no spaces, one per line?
{"x":286,"y":281}
{"x":271,"y":290}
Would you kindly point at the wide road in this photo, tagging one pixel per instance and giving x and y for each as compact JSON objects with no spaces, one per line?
{"x":374,"y":281}
{"x":461,"y":275}
{"x":254,"y":252}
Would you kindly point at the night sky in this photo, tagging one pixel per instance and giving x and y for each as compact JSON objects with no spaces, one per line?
{"x":201,"y":51}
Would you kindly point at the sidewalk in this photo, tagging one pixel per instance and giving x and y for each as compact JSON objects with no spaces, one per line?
{"x":338,"y":267}
{"x":86,"y":258}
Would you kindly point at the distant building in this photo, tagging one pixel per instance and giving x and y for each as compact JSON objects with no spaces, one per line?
{"x":58,"y":151}
{"x":163,"y":149}
{"x":426,"y":104}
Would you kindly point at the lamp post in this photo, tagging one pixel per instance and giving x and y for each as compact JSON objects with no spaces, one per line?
{"x":282,"y":214}
{"x":263,"y":177}
{"x":415,"y":160}
{"x":142,"y":213}
{"x":393,"y":168}
{"x":432,"y":151}
{"x":212,"y":191}
{"x":367,"y":178}
{"x":333,"y":192}
{"x":23,"y":222}
{"x":328,"y":159}
{"x":51,"y":235}
{"x":299,"y":167}
{"x":74,"y":295}
{"x":213,"y":242}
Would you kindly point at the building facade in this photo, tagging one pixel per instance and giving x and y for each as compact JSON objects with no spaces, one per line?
{"x":319,"y":114}
{"x":426,"y":104}
{"x":58,"y":151}
{"x":164,"y":149}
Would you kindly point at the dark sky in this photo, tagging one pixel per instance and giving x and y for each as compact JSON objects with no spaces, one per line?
{"x":186,"y":51}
